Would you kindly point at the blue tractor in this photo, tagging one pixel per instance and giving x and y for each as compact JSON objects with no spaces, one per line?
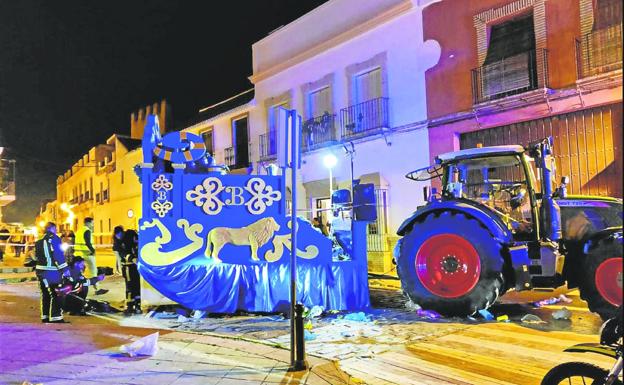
{"x":499,"y":224}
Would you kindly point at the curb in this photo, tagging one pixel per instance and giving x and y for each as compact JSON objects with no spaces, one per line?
{"x":5,"y":281}
{"x":7,"y":270}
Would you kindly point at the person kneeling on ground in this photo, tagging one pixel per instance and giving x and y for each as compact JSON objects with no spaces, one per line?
{"x":131,"y":273}
{"x":76,"y":300}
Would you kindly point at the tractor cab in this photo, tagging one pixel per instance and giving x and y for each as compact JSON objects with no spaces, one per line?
{"x":499,"y":179}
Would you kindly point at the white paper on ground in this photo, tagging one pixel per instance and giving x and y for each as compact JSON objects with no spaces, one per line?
{"x":146,"y":346}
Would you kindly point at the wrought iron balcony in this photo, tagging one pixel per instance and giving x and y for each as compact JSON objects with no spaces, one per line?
{"x":318,"y":132}
{"x":599,"y":52}
{"x":365,"y":118}
{"x":230,"y":159}
{"x":510,"y":76}
{"x":268,"y":145}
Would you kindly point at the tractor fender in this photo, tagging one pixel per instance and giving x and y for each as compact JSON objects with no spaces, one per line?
{"x":481,"y":213}
{"x":609,"y":232}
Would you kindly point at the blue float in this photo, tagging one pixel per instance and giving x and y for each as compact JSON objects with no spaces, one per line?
{"x":219,"y":242}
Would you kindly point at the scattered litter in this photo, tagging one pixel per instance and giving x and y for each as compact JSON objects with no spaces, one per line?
{"x":532,"y":319}
{"x":182,"y":318}
{"x":307,"y":325}
{"x":410,"y":305}
{"x":30,"y":383}
{"x":552,"y":301}
{"x":316,"y":311}
{"x":431,"y":314}
{"x":486,"y":315}
{"x":198,"y":314}
{"x":359,"y":317}
{"x":150,"y":314}
{"x":146,"y":346}
{"x":562,"y":314}
{"x":308,"y":336}
{"x":165,"y":315}
{"x":348,"y":334}
{"x":470,"y":318}
{"x":502,"y":318}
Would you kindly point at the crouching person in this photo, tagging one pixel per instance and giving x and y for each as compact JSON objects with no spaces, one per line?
{"x":50,"y":268}
{"x":76,"y":299}
{"x":130,"y":272}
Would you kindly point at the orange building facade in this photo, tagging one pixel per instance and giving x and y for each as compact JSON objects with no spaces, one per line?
{"x":511,"y":72}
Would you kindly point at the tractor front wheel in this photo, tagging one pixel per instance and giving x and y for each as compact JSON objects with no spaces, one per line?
{"x":601,"y":286}
{"x":450,"y":263}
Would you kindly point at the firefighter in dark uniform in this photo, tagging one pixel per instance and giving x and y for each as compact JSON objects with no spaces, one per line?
{"x":130,"y":272}
{"x":51,"y":268}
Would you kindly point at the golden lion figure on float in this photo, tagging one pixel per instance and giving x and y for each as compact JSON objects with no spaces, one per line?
{"x":255,"y":235}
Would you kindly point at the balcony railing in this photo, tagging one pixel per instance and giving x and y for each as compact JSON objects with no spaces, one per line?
{"x":268,"y":145}
{"x":365,"y":118}
{"x":599,"y":52}
{"x":510,"y":76}
{"x":318,"y":132}
{"x":230,"y":159}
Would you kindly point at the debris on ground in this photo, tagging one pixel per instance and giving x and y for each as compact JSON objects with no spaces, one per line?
{"x":315,"y":312}
{"x":532,"y":319}
{"x":358,"y":317}
{"x":146,"y":346}
{"x":163,"y":315}
{"x":182,"y":318}
{"x":552,"y":301}
{"x":431,"y":314}
{"x":486,"y":315}
{"x":410,"y":305}
{"x":502,"y":318}
{"x":197,"y":314}
{"x":562,"y":314}
{"x":308,"y":335}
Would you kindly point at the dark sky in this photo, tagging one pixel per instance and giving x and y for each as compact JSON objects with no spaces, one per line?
{"x":71,"y":72}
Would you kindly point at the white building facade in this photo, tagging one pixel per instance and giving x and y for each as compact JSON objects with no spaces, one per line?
{"x":355,"y":71}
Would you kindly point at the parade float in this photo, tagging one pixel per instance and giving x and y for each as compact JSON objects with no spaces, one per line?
{"x":219,"y":242}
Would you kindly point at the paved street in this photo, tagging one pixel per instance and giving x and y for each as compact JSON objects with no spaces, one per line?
{"x":87,"y":352}
{"x":394,"y":346}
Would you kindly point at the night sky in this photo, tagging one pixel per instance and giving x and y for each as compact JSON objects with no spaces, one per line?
{"x":71,"y":72}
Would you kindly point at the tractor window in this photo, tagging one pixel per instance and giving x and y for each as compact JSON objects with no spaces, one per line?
{"x":498,"y":182}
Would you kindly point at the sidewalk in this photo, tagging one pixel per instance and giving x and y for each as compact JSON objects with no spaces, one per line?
{"x":87,"y":352}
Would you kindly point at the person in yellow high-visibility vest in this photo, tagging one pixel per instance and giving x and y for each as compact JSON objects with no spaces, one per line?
{"x":84,"y":248}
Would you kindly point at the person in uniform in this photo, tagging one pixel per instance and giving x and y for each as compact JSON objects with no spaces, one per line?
{"x":130,"y":271}
{"x":50,"y":269}
{"x":76,"y":298}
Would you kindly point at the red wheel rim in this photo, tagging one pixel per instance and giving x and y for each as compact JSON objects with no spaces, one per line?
{"x":609,"y":280}
{"x":448,"y":265}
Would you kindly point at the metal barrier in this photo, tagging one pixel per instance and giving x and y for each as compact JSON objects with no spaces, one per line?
{"x":364,"y":118}
{"x":318,"y":132}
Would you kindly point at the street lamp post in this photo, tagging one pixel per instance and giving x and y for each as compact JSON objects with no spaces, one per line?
{"x":330,"y":161}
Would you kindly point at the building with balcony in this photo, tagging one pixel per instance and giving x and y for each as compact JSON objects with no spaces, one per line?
{"x":511,"y":72}
{"x":358,"y":80}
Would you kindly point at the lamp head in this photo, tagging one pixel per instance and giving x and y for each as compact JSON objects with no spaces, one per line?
{"x":330,"y":160}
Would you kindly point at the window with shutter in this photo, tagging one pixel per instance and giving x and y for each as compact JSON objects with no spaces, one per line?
{"x":368,"y":86}
{"x":510,"y":64}
{"x":319,"y":102}
{"x":207,"y":137}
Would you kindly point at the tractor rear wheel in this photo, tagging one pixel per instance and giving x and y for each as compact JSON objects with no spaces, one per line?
{"x":450,"y":263}
{"x":601,"y":286}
